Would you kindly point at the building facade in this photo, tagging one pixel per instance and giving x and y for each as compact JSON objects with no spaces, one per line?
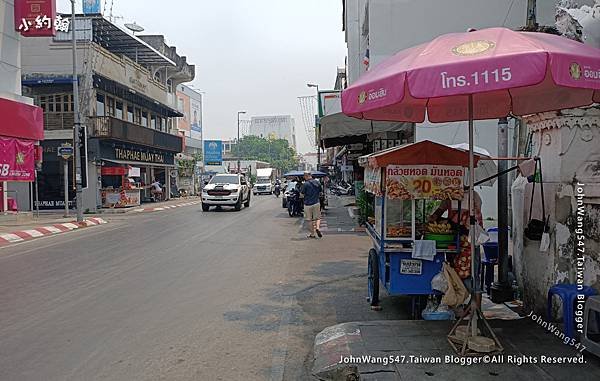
{"x":274,"y":127}
{"x":21,"y":126}
{"x":189,"y":126}
{"x":128,"y":103}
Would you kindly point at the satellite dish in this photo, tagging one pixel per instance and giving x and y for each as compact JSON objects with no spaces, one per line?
{"x":134,"y":27}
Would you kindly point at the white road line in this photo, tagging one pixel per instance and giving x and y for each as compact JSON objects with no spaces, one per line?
{"x":34,"y":233}
{"x":52,"y":229}
{"x":11,"y":237}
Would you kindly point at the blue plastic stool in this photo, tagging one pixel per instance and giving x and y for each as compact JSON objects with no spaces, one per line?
{"x":568,"y":294}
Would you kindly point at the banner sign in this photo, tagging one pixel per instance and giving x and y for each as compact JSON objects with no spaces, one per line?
{"x":373,"y":180}
{"x":407,"y":182}
{"x":38,"y":18}
{"x":213,"y":152}
{"x":16,"y":160}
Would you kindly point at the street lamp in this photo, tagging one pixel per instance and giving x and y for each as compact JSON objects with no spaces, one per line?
{"x":319,"y":137}
{"x":238,"y":141}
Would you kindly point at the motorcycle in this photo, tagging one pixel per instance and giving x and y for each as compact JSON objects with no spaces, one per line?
{"x":277,"y":190}
{"x":294,"y":203}
{"x":342,"y":189}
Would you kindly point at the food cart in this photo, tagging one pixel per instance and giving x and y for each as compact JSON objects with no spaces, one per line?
{"x":405,"y":181}
{"x":118,"y":188}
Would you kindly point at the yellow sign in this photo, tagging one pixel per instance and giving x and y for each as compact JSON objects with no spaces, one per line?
{"x":407,"y":182}
{"x":575,"y":70}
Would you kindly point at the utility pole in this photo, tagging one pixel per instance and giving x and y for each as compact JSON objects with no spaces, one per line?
{"x":77,"y":122}
{"x":502,"y":291}
{"x":66,"y":180}
{"x":531,"y":15}
{"x":238,"y":141}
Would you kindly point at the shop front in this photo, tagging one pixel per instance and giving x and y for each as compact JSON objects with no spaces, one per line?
{"x":20,"y":130}
{"x":126,"y":172}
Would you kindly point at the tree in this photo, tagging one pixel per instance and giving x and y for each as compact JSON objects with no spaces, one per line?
{"x":275,"y":151}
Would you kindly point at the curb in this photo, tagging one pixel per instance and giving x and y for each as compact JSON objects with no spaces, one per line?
{"x":26,"y":235}
{"x":162,"y":208}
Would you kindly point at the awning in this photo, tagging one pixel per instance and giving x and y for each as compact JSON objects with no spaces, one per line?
{"x":422,"y":153}
{"x":138,"y":163}
{"x":339,"y":127}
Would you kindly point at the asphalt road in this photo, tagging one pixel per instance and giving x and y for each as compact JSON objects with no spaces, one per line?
{"x":178,"y":295}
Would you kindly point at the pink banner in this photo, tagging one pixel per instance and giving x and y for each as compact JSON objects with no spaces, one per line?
{"x":16,"y":159}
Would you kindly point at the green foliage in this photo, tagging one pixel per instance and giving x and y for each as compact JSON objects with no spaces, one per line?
{"x":274,"y":151}
{"x":365,"y":202}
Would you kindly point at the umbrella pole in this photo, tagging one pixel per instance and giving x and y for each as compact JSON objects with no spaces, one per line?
{"x":474,"y":306}
{"x":473,"y":341}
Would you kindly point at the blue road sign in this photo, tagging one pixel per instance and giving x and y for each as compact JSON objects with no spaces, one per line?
{"x":213,"y":152}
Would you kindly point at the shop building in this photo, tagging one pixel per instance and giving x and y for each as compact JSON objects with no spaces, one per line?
{"x":128,"y":105}
{"x":189,"y":126}
{"x":21,"y":126}
{"x":275,"y":127}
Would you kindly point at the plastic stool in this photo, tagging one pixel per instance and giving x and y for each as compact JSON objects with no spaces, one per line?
{"x":567,"y":293}
{"x":591,"y":325}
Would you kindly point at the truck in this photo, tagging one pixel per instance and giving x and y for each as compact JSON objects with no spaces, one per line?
{"x":265,"y":180}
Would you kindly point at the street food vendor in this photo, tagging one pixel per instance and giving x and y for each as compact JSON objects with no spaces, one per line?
{"x":460,"y":219}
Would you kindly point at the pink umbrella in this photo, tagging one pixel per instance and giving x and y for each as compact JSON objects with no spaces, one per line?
{"x":486,"y":74}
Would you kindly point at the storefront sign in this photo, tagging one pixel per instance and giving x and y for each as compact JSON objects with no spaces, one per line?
{"x":91,"y":7}
{"x":139,"y":155}
{"x":408,"y":182}
{"x":16,"y":160}
{"x":20,"y":120}
{"x":373,"y":180}
{"x":38,"y":18}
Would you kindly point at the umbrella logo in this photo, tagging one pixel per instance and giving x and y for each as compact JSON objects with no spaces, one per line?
{"x":575,"y":70}
{"x":362,"y":97}
{"x":473,"y":48}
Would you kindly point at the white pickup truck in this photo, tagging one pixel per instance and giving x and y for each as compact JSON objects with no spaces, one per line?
{"x":265,"y":179}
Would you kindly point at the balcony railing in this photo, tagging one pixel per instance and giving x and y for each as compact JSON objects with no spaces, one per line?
{"x":106,"y":127}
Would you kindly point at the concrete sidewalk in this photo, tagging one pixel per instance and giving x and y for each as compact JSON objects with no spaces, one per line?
{"x":525,"y":344}
{"x":337,"y":218}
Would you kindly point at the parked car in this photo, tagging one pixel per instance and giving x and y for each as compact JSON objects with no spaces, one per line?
{"x":226,"y":190}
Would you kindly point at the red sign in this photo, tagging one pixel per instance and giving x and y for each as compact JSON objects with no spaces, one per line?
{"x":20,"y":120}
{"x":35,"y":18}
{"x":16,"y":160}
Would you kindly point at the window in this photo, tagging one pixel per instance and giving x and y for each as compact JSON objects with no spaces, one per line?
{"x":130,"y":114}
{"x":110,"y":106}
{"x":163,"y":124}
{"x":56,"y":102}
{"x":137,"y":115}
{"x":100,"y":111}
{"x":144,"y":119}
{"x":153,"y":122}
{"x":119,"y":110}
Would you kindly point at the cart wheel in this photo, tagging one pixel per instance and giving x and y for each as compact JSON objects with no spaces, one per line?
{"x":373,"y":281}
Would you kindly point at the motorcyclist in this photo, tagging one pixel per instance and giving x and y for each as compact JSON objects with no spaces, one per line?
{"x":277,"y":189}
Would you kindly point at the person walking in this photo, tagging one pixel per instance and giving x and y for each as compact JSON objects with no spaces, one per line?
{"x":311,"y":191}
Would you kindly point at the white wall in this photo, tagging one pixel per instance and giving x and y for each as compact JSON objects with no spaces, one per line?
{"x":10,"y":51}
{"x":354,"y":17}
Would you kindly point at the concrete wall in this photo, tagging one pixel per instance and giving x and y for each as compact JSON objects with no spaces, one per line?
{"x":10,"y":50}
{"x":569,"y":149}
{"x":357,"y":43}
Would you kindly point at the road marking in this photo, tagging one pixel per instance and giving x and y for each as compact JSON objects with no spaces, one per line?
{"x":34,"y":233}
{"x":52,"y":229}
{"x":70,"y":226}
{"x":11,"y":237}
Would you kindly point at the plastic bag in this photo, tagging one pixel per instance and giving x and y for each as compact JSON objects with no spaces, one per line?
{"x":439,"y":282}
{"x":545,"y":243}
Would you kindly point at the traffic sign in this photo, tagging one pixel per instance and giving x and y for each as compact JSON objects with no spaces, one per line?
{"x":65,"y":151}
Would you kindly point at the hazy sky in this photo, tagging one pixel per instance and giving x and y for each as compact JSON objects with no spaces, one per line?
{"x":252,"y":55}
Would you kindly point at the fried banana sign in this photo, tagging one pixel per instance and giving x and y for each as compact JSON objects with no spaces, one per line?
{"x":407,"y":182}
